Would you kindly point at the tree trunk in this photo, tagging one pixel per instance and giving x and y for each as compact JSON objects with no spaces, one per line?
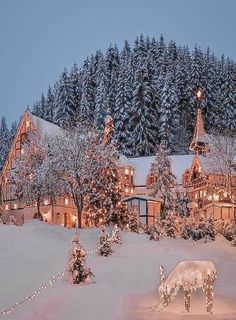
{"x":79,"y":216}
{"x":39,"y":216}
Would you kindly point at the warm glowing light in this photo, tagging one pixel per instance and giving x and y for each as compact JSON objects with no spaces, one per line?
{"x":126,"y":190}
{"x":225,"y":194}
{"x":216,"y":197}
{"x":126,"y":171}
{"x":131,"y":172}
{"x":22,"y":151}
{"x":7,"y":207}
{"x":46,"y":202}
{"x":204,"y":193}
{"x":132,"y":190}
{"x":199,"y":94}
{"x":66,"y":201}
{"x":15,"y":206}
{"x":27,"y":123}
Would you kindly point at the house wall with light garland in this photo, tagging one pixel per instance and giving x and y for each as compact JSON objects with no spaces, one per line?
{"x":62,"y":211}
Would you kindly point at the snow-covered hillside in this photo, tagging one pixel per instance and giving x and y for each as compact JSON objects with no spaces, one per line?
{"x":125,"y":285}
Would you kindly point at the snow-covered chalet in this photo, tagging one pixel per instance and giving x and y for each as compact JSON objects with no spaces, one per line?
{"x":135,"y":179}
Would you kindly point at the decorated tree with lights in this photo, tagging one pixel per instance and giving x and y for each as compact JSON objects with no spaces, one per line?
{"x":115,"y":236}
{"x":104,"y":243}
{"x":77,"y":262}
{"x":88,"y":170}
{"x":135,"y":224}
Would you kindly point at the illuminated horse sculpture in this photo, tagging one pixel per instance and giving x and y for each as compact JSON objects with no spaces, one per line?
{"x":190,"y":275}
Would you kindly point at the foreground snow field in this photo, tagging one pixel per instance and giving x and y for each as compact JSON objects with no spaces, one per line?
{"x":125,"y":285}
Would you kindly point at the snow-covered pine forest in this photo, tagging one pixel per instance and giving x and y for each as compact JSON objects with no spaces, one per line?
{"x":148,"y":88}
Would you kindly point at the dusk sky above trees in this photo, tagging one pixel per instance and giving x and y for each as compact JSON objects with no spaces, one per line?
{"x":40,"y":38}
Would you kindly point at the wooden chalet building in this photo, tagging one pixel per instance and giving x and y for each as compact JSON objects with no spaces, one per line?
{"x":194,"y":178}
{"x":205,"y":185}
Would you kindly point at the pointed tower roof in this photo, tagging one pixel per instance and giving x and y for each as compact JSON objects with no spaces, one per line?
{"x":199,"y":141}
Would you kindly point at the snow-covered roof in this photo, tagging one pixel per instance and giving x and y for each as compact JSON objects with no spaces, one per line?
{"x":142,"y":167}
{"x":142,"y":197}
{"x":45,"y":127}
{"x":124,"y":161}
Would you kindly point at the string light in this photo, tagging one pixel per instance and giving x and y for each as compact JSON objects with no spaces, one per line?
{"x":20,"y":302}
{"x":58,"y":276}
{"x":207,"y":285}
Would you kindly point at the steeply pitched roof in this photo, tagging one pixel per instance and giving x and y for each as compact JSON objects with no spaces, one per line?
{"x":45,"y":127}
{"x":199,"y":137}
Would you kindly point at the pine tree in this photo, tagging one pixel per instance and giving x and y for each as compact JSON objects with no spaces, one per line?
{"x":135,"y":224}
{"x":123,"y":103}
{"x":168,"y":110}
{"x":142,"y":120}
{"x":115,"y":236}
{"x":164,"y":185}
{"x":77,"y":262}
{"x":87,"y":103}
{"x":65,"y":113}
{"x":103,"y":244}
{"x":5,"y":140}
{"x":49,"y":106}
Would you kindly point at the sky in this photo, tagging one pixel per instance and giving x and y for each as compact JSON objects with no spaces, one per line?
{"x":39,"y":38}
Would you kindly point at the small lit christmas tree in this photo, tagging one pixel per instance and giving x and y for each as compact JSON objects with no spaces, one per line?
{"x":103,"y":244}
{"x":77,"y":263}
{"x":116,"y":235}
{"x":155,"y":230}
{"x":170,"y":225}
{"x":135,"y":224}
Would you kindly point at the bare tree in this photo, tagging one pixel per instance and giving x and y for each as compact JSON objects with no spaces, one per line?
{"x":80,"y":160}
{"x":220,"y":161}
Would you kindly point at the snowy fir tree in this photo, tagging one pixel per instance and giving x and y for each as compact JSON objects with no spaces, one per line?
{"x":165,"y":181}
{"x":65,"y":112}
{"x":115,"y":236}
{"x":149,"y":90}
{"x":4,"y":141}
{"x":135,"y":224}
{"x":77,"y":262}
{"x":155,"y":231}
{"x":104,"y":243}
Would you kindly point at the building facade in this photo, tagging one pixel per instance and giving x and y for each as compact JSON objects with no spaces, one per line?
{"x":204,"y":188}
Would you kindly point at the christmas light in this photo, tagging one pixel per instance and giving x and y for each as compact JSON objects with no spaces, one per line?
{"x":22,"y":301}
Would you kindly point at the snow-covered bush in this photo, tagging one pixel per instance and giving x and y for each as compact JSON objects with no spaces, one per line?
{"x":202,"y":230}
{"x":233,"y":242}
{"x":227,"y":228}
{"x":12,"y":220}
{"x":155,"y":232}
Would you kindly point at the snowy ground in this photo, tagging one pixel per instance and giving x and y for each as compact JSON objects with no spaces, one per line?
{"x":125,"y":285}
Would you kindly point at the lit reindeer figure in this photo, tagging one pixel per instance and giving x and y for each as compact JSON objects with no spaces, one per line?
{"x":190,"y":275}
